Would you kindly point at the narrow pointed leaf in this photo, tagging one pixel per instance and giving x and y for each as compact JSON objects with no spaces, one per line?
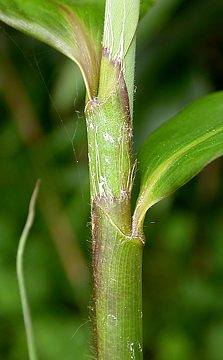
{"x":178,"y":150}
{"x":74,"y":27}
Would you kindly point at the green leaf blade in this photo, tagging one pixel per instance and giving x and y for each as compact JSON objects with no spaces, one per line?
{"x":145,"y":6}
{"x":74,"y":28}
{"x":179,"y":150}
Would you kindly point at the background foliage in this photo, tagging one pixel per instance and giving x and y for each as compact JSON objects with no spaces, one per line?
{"x":179,"y":58}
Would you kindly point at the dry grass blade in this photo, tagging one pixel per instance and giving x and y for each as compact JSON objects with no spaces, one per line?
{"x":20,"y":273}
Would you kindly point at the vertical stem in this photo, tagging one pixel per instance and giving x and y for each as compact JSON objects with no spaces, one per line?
{"x":117,"y":254}
{"x":117,"y":265}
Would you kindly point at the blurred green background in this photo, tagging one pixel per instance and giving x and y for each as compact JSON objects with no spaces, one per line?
{"x":43,"y":135}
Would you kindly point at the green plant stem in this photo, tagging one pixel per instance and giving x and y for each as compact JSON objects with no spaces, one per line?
{"x":117,"y":255}
{"x":117,"y":264}
{"x":20,"y":275}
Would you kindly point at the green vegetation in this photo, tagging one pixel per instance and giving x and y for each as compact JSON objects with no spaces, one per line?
{"x":170,"y":157}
